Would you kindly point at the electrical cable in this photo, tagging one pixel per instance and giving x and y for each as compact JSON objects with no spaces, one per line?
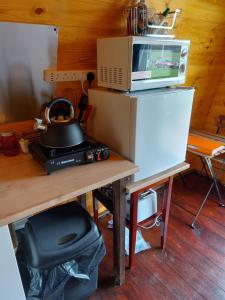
{"x":83,"y":104}
{"x":155,"y":223}
{"x":82,"y":86}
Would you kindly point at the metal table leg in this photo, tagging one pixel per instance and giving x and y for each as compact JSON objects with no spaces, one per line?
{"x":213,"y":176}
{"x":201,"y":207}
{"x":204,"y":167}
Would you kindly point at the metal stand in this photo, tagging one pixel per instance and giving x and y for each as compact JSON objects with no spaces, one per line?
{"x":204,"y":167}
{"x":214,"y":183}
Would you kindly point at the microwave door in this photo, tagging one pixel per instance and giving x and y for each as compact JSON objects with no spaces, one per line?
{"x":141,"y":62}
{"x":155,"y":61}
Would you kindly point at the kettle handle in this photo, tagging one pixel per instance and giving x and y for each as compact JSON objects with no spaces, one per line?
{"x":52,"y":103}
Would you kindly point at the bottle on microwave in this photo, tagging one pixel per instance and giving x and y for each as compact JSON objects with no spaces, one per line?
{"x":132,"y":63}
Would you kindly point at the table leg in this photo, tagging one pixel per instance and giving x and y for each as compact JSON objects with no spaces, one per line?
{"x":213,"y":176}
{"x":10,"y":282}
{"x":166,"y":212}
{"x":203,"y":166}
{"x":133,"y":227}
{"x":201,"y":207}
{"x":182,"y":179}
{"x":95,"y":207}
{"x":83,"y":200}
{"x":119,"y":231}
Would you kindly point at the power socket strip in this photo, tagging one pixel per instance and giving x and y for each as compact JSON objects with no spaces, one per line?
{"x":52,"y":75}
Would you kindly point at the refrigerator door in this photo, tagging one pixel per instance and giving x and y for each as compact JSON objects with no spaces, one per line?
{"x":110,"y":120}
{"x":161,"y":121}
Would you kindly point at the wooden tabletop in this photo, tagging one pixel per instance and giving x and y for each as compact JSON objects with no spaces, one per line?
{"x":135,"y":186}
{"x":212,"y":136}
{"x":25,"y":189}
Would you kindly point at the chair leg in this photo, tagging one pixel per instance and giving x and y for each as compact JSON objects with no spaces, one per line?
{"x":165,"y":212}
{"x":95,"y":207}
{"x":133,"y":228}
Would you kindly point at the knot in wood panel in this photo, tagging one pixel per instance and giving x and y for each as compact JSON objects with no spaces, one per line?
{"x":39,"y":10}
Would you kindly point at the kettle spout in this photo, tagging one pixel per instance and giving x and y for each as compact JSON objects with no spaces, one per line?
{"x":39,"y":125}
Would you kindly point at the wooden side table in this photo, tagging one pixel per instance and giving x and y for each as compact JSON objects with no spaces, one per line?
{"x":165,"y":178}
{"x":135,"y":188}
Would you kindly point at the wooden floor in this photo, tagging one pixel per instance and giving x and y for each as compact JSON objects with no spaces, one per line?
{"x":193,"y":265}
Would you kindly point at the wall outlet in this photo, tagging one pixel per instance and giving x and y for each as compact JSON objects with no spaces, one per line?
{"x":53,"y":75}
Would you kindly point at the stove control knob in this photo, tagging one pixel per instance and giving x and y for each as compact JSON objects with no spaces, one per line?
{"x":104,"y":154}
{"x":98,"y":155}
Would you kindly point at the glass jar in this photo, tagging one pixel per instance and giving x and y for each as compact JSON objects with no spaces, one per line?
{"x":142,"y":18}
{"x":10,"y":145}
{"x":131,"y":16}
{"x":137,"y":18}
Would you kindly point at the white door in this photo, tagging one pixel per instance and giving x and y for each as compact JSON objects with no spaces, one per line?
{"x":10,"y":281}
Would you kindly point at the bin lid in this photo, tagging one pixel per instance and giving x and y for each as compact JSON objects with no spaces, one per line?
{"x":58,"y":235}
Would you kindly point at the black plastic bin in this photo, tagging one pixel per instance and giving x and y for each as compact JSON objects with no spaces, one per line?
{"x":59,"y":253}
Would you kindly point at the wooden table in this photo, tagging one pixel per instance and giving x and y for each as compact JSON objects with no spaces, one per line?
{"x":152,"y":182}
{"x":26,"y":190}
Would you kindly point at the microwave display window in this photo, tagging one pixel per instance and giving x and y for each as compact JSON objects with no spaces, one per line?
{"x":155,"y":61}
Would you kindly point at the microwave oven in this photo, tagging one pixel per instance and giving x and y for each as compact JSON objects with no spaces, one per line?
{"x":132,"y":63}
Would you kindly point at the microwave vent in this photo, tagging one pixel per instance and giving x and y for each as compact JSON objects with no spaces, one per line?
{"x":111,"y":75}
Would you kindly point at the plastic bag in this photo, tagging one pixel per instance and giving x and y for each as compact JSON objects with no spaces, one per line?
{"x":48,"y":284}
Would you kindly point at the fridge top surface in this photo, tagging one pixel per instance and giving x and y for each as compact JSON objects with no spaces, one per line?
{"x":147,"y":92}
{"x":145,"y":39}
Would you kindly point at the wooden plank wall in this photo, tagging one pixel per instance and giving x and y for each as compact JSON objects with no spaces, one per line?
{"x":217,"y":106}
{"x":81,"y":22}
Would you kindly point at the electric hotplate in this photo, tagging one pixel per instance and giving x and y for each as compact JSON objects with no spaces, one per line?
{"x":54,"y":159}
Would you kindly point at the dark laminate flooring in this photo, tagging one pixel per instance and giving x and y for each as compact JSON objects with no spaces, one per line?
{"x":193,"y":265}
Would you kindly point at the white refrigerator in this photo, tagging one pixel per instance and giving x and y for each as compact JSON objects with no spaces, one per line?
{"x":148,"y":127}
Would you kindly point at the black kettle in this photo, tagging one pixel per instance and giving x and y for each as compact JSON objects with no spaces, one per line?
{"x":59,"y":129}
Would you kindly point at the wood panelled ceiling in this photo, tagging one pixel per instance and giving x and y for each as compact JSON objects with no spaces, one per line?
{"x":82,"y":21}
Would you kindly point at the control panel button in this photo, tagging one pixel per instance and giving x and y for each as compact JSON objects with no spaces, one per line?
{"x":184,"y":52}
{"x":105,"y":153}
{"x":98,"y":156}
{"x":102,"y":154}
{"x":182,"y":68}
